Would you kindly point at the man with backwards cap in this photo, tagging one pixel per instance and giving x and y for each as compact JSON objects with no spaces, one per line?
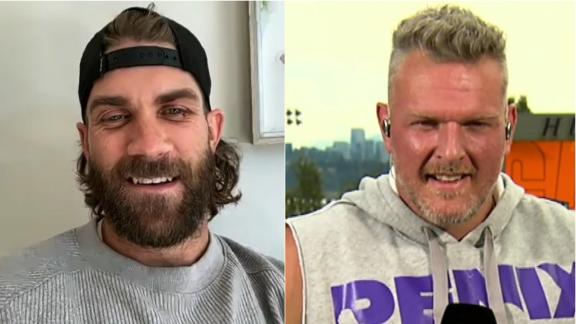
{"x":154,"y":171}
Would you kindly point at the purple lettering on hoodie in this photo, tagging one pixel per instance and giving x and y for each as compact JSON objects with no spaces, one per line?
{"x":411,"y":299}
{"x":380,"y":297}
{"x":533,"y":293}
{"x":471,"y":287}
{"x":566,"y":283}
{"x":509,"y":288}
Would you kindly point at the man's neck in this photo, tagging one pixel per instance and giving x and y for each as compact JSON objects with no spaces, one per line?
{"x":183,"y":254}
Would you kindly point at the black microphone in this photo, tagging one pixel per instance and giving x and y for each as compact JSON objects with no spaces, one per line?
{"x":468,"y":314}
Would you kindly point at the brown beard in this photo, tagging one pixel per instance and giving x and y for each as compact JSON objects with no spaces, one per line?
{"x":154,"y":220}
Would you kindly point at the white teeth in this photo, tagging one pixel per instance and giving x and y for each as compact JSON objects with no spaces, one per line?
{"x":150,"y":180}
{"x":448,"y":178}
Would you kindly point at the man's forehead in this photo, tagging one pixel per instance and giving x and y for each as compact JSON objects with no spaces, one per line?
{"x":160,"y":96}
{"x":427,"y":88}
{"x":165,"y":96}
{"x":149,"y":81}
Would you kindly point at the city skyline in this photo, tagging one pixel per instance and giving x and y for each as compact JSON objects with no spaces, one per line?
{"x":358,"y":146}
{"x":323,"y":144}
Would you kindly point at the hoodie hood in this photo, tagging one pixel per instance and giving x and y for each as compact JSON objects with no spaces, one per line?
{"x":378,"y":199}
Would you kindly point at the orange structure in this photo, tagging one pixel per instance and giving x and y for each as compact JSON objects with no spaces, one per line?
{"x":542,"y":156}
{"x":544,"y":168}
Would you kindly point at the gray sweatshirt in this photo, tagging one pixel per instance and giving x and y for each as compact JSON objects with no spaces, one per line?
{"x":76,"y":278}
{"x":368,"y":258}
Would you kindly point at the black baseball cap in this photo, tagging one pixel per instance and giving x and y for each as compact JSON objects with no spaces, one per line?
{"x":188,"y":56}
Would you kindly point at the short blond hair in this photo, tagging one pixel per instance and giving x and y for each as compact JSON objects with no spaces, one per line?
{"x":447,"y":34}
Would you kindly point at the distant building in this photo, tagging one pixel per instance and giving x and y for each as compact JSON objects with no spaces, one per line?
{"x":343,"y":148}
{"x":360,"y":148}
{"x":357,"y":138}
{"x":369,"y":150}
{"x":381,"y":153}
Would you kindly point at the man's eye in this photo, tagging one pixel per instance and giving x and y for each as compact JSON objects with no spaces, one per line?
{"x":476,"y":124}
{"x":175,"y":112}
{"x":426,"y":123}
{"x":114,"y":118}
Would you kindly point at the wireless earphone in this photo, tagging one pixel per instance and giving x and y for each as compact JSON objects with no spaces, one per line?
{"x":508,"y":131}
{"x":387,"y":127}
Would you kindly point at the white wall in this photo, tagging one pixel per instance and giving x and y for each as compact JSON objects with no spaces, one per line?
{"x":40,"y":49}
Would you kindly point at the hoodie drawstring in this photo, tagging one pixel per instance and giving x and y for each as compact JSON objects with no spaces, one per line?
{"x":439,"y":269}
{"x":495,"y":298}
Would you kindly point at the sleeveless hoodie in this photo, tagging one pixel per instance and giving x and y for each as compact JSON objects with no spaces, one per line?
{"x":367,"y":258}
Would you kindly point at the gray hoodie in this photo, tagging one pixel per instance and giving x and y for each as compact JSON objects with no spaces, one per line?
{"x":367,"y":258}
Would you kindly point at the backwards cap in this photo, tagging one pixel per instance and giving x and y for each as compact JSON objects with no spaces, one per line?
{"x":188,"y":56}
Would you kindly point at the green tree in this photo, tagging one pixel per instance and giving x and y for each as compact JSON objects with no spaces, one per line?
{"x":308,"y":195}
{"x":521,"y":104}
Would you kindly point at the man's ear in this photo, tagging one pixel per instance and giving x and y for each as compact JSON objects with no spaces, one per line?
{"x":512,"y":119}
{"x":83,"y":133}
{"x":215,"y":120}
{"x":383,"y":114}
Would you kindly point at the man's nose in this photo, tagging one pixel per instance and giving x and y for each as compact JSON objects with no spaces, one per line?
{"x":451,"y":143}
{"x":148,"y":138}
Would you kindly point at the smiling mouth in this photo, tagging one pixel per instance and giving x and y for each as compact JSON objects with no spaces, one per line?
{"x":448,"y":181}
{"x":152,"y":181}
{"x":446,"y":178}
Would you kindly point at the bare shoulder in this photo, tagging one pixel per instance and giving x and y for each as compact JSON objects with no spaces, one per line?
{"x":294,"y":285}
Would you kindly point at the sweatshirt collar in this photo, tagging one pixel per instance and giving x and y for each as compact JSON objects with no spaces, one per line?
{"x":188,"y":279}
